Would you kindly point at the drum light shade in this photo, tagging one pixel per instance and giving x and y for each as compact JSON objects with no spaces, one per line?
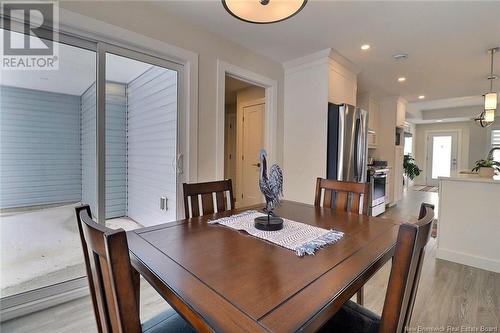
{"x":489,"y":116}
{"x":263,"y":11}
{"x":490,"y":101}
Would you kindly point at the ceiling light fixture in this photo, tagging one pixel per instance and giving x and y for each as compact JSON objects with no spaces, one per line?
{"x":365,"y":47}
{"x":487,"y":117}
{"x":400,"y":56}
{"x":421,"y":97}
{"x":439,"y":121}
{"x":402,"y":79}
{"x":263,"y":11}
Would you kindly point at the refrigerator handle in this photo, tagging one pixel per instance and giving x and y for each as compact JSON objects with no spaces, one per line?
{"x":362,"y":146}
{"x":357,"y":148}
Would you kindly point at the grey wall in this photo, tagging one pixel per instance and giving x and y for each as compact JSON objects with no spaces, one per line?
{"x":40,"y":148}
{"x":116,"y":149}
{"x":152,"y":144}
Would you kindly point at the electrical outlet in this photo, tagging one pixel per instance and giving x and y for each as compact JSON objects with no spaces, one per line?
{"x":163,"y":203}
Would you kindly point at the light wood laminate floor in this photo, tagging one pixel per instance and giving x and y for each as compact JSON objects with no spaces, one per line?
{"x":449,"y":294}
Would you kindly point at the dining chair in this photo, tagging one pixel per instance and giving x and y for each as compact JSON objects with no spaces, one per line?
{"x":214,"y":195}
{"x":340,"y":195}
{"x":401,"y":290}
{"x":114,"y":284}
{"x":343,"y":196}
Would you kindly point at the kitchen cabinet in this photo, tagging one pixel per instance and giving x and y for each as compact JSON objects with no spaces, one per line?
{"x":370,"y":103}
{"x":342,"y":85}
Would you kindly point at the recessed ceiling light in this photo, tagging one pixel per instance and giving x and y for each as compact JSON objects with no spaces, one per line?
{"x":402,"y":79}
{"x":365,"y":47}
{"x":421,"y":97}
{"x":439,"y":121}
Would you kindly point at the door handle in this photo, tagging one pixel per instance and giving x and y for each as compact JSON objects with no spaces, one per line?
{"x":256,"y":165}
{"x":180,"y":164}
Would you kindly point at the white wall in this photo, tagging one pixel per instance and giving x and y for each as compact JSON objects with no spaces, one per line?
{"x":305,"y":122}
{"x":143,"y":19}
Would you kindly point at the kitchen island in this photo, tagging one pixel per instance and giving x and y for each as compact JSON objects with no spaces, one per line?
{"x":469,"y":221}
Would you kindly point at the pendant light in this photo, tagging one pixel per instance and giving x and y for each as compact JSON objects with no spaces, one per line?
{"x":263,"y":11}
{"x":487,"y":117}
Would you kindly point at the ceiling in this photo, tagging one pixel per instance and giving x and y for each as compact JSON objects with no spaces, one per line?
{"x":446,"y":41}
{"x":76,"y":72}
{"x":232,"y":87}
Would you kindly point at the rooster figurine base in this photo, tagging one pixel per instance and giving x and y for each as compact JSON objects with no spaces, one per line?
{"x":268,"y":223}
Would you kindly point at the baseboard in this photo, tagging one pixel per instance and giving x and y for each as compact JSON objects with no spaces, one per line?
{"x":469,"y":260}
{"x":40,"y":299}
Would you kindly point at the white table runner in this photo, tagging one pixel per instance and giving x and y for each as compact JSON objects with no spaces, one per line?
{"x":299,"y":237}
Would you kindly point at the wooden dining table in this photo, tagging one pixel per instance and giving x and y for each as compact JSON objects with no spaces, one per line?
{"x":223,"y":280}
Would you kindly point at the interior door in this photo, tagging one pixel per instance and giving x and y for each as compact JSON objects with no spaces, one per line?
{"x":442,"y":155}
{"x":253,"y":141}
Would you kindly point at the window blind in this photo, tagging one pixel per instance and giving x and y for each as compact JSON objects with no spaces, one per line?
{"x":495,"y":138}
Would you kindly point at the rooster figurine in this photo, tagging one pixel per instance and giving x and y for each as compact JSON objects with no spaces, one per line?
{"x":272,"y":187}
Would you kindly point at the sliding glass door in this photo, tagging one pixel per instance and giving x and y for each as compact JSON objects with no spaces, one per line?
{"x":141,"y":139}
{"x":103,"y":130}
{"x":45,"y":140}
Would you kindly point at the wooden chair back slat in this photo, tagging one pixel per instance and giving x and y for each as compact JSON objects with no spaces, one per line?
{"x":346,"y":196}
{"x":327,"y":199}
{"x":405,"y":272}
{"x":111,"y":280}
{"x":341,"y":201}
{"x":220,"y":197}
{"x":207,"y":203}
{"x":206,"y":191}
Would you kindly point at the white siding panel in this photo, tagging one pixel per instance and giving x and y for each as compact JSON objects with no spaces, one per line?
{"x":39,"y":148}
{"x":116,"y":149}
{"x":88,"y":148}
{"x":152,"y":146}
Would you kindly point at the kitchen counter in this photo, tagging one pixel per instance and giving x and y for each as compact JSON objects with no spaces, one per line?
{"x":469,"y":221}
{"x":468,"y":177}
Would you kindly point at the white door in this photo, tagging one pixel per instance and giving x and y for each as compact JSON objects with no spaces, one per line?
{"x":253,"y":141}
{"x":442,"y":154}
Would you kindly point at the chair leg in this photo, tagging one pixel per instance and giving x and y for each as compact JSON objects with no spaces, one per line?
{"x":136,"y":280}
{"x":360,"y":297}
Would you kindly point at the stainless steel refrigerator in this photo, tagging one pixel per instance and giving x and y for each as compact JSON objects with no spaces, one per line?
{"x":347,"y":143}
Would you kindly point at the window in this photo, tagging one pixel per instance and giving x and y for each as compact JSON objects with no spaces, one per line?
{"x":495,"y":142}
{"x":408,"y":147}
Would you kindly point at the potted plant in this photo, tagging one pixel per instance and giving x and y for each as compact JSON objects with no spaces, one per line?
{"x":486,"y":167}
{"x":411,"y":170}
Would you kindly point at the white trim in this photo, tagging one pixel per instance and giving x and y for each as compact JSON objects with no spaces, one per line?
{"x":99,"y":31}
{"x":468,"y":259}
{"x":271,"y":113}
{"x":40,"y":299}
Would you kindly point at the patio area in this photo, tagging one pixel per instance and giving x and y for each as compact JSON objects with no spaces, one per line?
{"x":42,"y":247}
